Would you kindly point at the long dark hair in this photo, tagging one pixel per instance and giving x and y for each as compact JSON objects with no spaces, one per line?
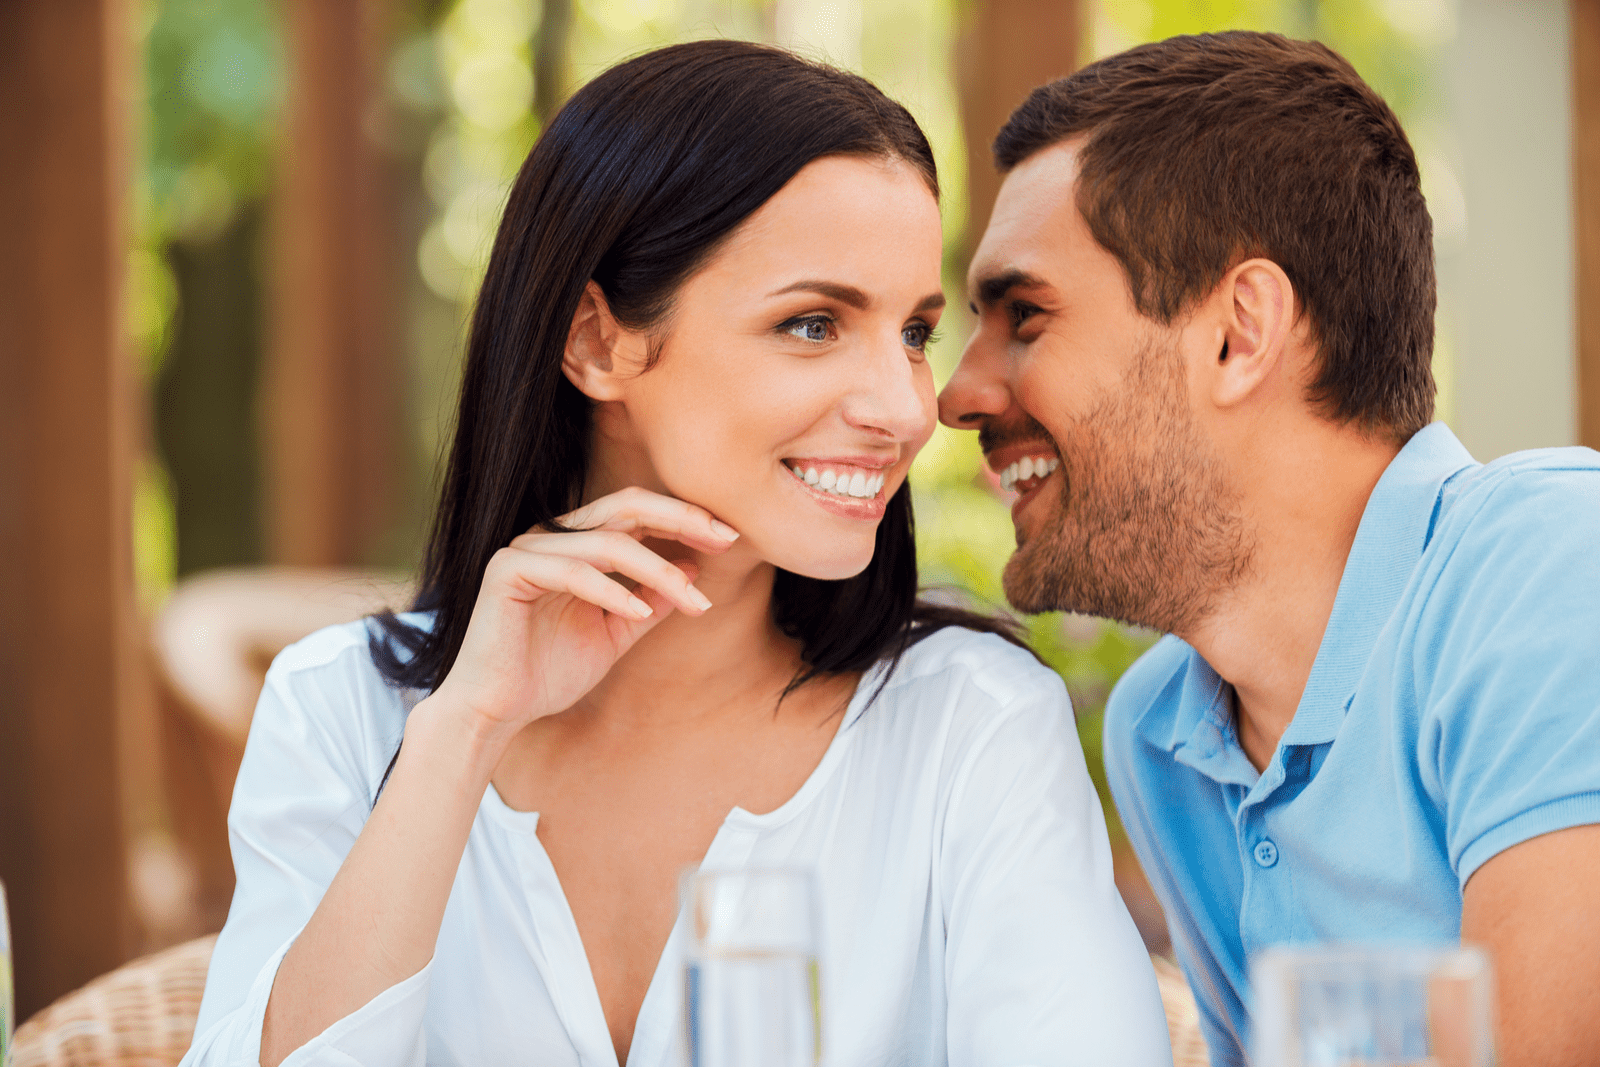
{"x":635,"y":184}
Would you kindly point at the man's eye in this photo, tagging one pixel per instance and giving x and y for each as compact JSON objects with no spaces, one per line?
{"x":1020,"y":312}
{"x":918,"y":336}
{"x":810,"y":328}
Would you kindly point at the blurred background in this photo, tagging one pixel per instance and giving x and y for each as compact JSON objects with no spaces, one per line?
{"x":242,"y":238}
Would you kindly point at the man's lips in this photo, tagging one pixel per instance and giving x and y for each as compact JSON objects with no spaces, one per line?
{"x":1006,"y":455}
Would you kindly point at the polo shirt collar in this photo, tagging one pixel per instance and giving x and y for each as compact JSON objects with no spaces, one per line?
{"x":1197,"y":728}
{"x":1394,"y":531}
{"x":1202,"y":733}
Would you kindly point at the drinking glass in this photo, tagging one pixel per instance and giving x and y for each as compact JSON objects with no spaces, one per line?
{"x":8,"y":1005}
{"x":752,"y":983}
{"x":1372,"y":1005}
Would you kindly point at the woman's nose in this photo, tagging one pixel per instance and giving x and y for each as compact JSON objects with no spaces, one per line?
{"x":975,"y":390}
{"x":892,"y":397}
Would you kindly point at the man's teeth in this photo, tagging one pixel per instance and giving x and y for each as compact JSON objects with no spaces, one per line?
{"x":840,"y":483}
{"x":1027,"y":468}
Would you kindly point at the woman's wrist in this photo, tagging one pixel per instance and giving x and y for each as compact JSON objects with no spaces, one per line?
{"x":441,"y":732}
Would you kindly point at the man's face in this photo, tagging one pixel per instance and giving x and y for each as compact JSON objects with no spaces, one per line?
{"x":1127,"y":513}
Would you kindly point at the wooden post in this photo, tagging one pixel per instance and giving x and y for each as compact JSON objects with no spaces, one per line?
{"x":331,"y":385}
{"x":70,"y":652}
{"x":1008,"y":49}
{"x":1586,"y":211}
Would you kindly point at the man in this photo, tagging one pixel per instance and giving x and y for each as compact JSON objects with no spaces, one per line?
{"x":1205,"y":308}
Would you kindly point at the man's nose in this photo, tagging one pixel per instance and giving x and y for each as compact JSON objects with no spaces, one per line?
{"x":977,"y":388}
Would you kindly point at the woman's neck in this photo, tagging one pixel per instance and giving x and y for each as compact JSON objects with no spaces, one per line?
{"x":731,"y":662}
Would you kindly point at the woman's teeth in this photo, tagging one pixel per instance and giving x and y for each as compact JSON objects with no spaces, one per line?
{"x":1029,"y":467}
{"x":840,"y":483}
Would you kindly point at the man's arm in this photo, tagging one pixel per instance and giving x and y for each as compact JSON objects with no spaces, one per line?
{"x":1535,"y":908}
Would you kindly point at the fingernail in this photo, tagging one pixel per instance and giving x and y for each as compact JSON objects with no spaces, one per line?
{"x":723,"y":530}
{"x":700,"y":600}
{"x":642,"y":610}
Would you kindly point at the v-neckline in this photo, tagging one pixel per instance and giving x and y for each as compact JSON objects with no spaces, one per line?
{"x":561,"y":957}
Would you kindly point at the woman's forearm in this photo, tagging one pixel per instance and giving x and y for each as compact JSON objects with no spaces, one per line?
{"x":379,"y":920}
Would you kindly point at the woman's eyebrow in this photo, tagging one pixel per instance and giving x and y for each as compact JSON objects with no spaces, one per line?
{"x":848,"y":294}
{"x":844,"y":294}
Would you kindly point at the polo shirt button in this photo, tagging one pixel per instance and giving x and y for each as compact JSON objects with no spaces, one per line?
{"x":1266,"y":853}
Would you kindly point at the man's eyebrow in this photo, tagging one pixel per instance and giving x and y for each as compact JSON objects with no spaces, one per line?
{"x":838,"y":291}
{"x":990,"y":289}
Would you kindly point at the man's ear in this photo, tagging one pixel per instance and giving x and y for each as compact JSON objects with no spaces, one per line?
{"x":593,"y":360}
{"x":1258,"y":319}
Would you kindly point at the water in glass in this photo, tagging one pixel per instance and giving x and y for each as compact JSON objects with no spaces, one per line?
{"x":752,"y":982}
{"x":1371,"y":1005}
{"x":8,"y":1004}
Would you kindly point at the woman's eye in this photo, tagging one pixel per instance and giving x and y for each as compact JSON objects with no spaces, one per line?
{"x":811,"y":328}
{"x":918,"y":336}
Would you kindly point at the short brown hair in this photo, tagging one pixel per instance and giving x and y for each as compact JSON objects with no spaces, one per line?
{"x":1206,"y":150}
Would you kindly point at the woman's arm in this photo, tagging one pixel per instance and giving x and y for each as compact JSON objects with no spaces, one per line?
{"x":547,"y":626}
{"x":377,"y":924}
{"x":322,"y":733}
{"x":1044,"y":964}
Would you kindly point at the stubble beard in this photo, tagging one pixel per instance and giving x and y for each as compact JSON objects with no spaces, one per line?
{"x":1144,"y":529}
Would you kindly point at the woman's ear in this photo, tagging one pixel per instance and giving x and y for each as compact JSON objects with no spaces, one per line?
{"x":1258,"y":320}
{"x":594,"y":341}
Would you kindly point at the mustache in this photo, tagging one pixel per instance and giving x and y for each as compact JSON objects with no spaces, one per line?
{"x":993,"y":435}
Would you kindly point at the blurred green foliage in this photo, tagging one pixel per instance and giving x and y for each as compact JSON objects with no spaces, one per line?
{"x":212,"y":79}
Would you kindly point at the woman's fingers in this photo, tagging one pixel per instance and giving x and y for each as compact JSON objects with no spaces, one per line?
{"x":537,"y":574}
{"x":641,"y":512}
{"x":614,"y":552}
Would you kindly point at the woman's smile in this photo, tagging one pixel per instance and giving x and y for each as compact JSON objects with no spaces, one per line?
{"x":852,"y":487}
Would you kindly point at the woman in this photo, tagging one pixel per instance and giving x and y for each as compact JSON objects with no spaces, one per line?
{"x":668,"y":618}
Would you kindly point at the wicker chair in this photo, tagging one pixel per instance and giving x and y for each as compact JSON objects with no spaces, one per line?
{"x":144,"y":1013}
{"x":1183,"y":1019}
{"x":141,"y":1013}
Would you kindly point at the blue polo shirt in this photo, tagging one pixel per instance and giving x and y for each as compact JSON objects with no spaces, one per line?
{"x":1453,"y":711}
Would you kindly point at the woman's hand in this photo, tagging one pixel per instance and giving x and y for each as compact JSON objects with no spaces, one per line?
{"x":550,"y":620}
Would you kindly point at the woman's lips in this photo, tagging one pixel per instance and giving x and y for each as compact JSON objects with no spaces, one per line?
{"x":863,"y":508}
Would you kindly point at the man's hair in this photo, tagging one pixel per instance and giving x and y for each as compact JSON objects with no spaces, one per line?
{"x":1208,"y":150}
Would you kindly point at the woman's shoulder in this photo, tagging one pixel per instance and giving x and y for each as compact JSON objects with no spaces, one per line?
{"x":969,"y":706}
{"x":969,"y":681}
{"x":1003,"y":671}
{"x":340,"y":652}
{"x":343,"y":647}
{"x":327,"y":685}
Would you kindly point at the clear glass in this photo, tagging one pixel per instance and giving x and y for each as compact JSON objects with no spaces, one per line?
{"x":752,"y":983}
{"x":8,"y":1002}
{"x":1372,"y":1005}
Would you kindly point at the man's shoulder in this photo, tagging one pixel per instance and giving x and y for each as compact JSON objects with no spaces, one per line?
{"x":1149,"y":688}
{"x":1527,"y":518}
{"x":1538,"y":489}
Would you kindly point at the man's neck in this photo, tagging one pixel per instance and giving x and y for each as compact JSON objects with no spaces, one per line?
{"x":1304,"y":502}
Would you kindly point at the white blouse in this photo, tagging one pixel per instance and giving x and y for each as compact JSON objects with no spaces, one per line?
{"x":967,"y":900}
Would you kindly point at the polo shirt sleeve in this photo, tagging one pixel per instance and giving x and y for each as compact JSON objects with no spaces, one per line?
{"x":1508,"y":666}
{"x":1043,"y":963}
{"x":303,"y":794}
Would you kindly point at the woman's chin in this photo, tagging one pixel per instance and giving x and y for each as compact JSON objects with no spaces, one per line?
{"x":830,"y":567}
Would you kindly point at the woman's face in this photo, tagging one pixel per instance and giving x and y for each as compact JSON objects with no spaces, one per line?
{"x":792,"y":389}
